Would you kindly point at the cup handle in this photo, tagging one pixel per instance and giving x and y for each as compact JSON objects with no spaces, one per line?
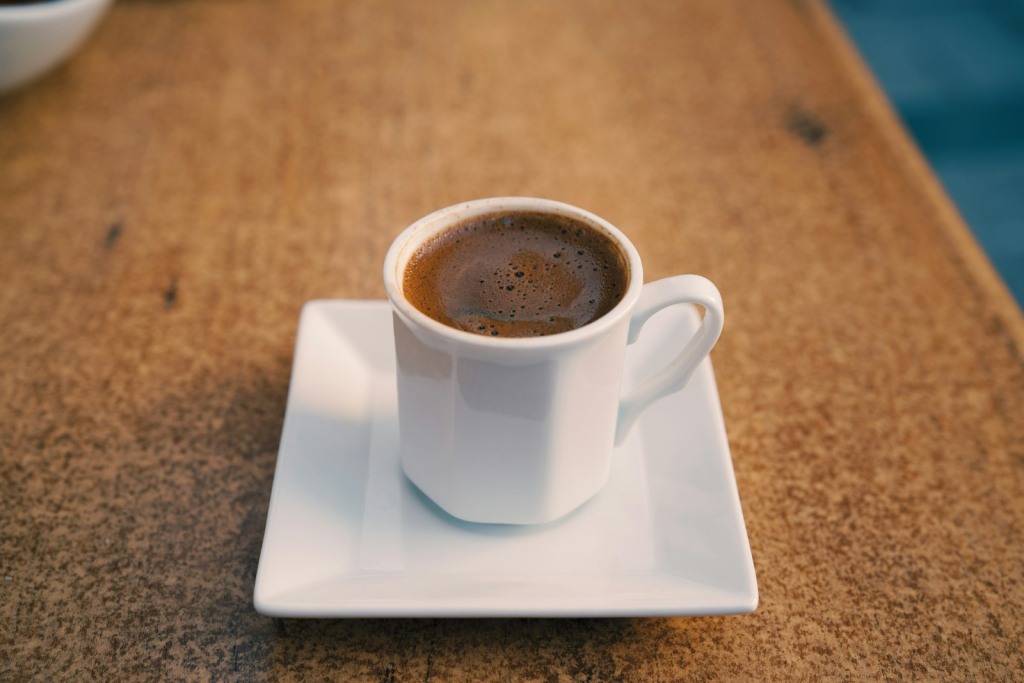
{"x":676,"y":375}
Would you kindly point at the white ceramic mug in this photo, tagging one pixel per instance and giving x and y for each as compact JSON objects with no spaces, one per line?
{"x":521,"y":430}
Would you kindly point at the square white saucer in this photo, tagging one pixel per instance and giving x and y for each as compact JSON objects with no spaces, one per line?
{"x":348,"y":535}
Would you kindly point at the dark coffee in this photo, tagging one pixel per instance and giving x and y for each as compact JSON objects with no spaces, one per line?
{"x":517,"y":274}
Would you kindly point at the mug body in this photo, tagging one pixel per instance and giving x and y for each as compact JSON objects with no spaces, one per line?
{"x":507,"y":430}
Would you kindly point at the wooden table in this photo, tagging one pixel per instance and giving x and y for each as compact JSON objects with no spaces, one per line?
{"x":172,"y":196}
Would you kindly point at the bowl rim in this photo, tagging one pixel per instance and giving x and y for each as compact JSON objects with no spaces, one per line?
{"x":45,"y":9}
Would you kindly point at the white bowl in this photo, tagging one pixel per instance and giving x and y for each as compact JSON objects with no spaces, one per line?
{"x":35,"y":37}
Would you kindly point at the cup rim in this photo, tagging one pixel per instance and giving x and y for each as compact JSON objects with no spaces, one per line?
{"x":414,"y":235}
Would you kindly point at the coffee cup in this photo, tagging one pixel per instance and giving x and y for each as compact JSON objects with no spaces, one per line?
{"x":521,"y":430}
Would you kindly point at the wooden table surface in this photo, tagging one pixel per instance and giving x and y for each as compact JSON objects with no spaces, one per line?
{"x":172,"y":196}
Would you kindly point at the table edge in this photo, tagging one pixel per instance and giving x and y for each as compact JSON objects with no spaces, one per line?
{"x":989,"y":286}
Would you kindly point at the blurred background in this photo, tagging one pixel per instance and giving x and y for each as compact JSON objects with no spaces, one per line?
{"x":955,"y":71}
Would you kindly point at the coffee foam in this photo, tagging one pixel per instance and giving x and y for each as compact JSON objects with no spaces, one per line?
{"x":516,"y":274}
